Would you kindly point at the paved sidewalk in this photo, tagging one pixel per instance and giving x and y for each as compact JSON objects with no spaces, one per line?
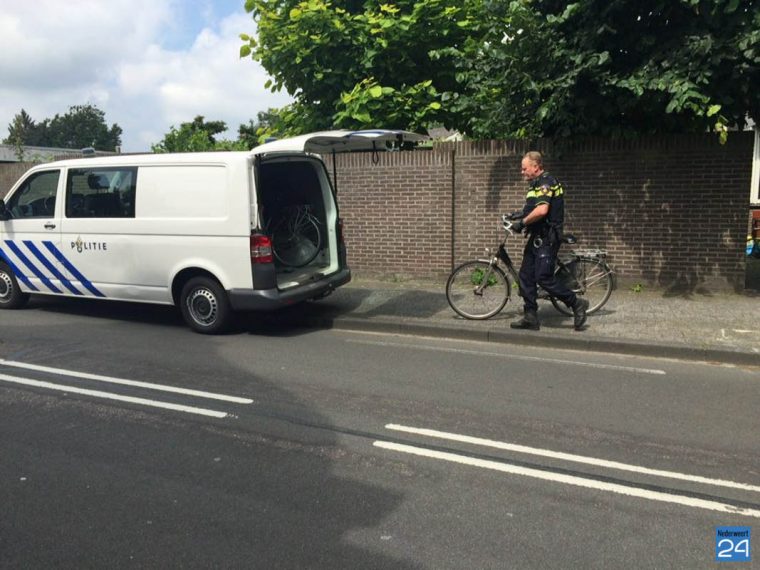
{"x":721,"y":327}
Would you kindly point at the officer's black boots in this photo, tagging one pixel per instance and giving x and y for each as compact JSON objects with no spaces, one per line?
{"x":579,"y":313}
{"x":529,"y":321}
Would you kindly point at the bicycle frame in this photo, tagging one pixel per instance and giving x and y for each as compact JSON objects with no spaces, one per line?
{"x":503,"y":255}
{"x":500,"y":255}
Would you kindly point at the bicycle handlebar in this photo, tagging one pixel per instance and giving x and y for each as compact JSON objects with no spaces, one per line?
{"x":506,"y":224}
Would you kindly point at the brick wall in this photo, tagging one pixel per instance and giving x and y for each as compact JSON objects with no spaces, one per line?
{"x":10,"y":172}
{"x":397,"y":212}
{"x":671,"y":211}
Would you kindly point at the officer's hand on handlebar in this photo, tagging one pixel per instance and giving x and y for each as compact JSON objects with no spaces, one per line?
{"x":516,"y":215}
{"x":512,"y":224}
{"x":512,"y":216}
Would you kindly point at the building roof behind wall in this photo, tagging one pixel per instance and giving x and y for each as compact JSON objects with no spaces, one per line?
{"x":10,"y":153}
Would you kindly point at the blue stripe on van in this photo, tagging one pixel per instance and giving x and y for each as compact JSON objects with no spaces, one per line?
{"x":38,"y":254}
{"x":20,"y":254}
{"x":17,"y":272}
{"x":74,"y":271}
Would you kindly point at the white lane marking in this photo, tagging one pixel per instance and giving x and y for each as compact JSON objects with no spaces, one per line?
{"x":511,"y":356}
{"x":109,"y":396}
{"x":570,"y":480}
{"x":571,"y":457}
{"x":124,"y":382}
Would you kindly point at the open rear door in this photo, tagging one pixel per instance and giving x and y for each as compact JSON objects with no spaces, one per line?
{"x":297,"y":202}
{"x":327,"y":142}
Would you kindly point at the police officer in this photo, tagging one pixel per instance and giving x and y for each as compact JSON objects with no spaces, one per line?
{"x":542,"y":217}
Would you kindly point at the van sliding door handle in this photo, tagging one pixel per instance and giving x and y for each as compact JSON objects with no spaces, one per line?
{"x":49,"y":226}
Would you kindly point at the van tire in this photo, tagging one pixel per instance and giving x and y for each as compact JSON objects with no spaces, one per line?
{"x":11,"y":296}
{"x":205,"y":306}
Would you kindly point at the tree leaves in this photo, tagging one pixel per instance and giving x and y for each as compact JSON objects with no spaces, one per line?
{"x":611,"y":68}
{"x":503,"y":68}
{"x":199,"y":136}
{"x":81,"y":126}
{"x":349,"y":64}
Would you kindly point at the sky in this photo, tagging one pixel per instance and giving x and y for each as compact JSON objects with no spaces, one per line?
{"x":147,"y":64}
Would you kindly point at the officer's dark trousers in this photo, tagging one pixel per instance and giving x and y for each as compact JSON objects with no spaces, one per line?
{"x":538,"y":268}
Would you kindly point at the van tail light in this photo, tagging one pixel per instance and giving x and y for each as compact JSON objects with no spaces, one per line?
{"x":340,"y":231}
{"x":261,"y":249}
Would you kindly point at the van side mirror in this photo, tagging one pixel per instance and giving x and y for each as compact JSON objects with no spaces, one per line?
{"x":4,"y":213}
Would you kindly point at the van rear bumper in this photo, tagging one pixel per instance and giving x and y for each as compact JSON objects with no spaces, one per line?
{"x":270,"y":299}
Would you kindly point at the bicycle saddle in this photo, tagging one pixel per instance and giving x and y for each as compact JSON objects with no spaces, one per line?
{"x":569,"y":239}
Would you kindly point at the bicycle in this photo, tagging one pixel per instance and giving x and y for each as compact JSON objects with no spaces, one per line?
{"x":296,"y":237}
{"x":480,"y":289}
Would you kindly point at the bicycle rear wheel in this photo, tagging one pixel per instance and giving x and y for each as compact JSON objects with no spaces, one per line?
{"x":594,"y":283}
{"x":468,"y":299}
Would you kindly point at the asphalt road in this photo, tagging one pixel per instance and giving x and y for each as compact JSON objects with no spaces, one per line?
{"x":128,"y":441}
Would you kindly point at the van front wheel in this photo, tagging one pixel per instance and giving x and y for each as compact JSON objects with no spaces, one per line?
{"x":11,"y":296}
{"x":205,"y":306}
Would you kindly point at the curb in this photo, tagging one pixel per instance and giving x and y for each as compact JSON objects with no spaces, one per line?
{"x":533,"y":338}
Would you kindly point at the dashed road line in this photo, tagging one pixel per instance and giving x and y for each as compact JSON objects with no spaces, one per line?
{"x":570,"y":479}
{"x":572,"y":457}
{"x":125,"y":382}
{"x":110,"y":396}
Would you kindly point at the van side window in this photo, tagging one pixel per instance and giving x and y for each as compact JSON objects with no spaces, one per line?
{"x":35,"y":198}
{"x":101,"y":192}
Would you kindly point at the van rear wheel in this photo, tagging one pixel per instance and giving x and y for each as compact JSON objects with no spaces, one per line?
{"x":11,"y":296}
{"x":205,"y":306}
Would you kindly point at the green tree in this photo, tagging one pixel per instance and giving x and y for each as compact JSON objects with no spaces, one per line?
{"x":82,"y":126}
{"x":24,"y":131}
{"x":610,"y":67}
{"x":197,"y":136}
{"x":358,"y":64}
{"x":504,"y":68}
{"x":269,"y":123}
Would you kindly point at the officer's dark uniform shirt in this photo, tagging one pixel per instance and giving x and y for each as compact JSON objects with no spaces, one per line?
{"x":546,"y":189}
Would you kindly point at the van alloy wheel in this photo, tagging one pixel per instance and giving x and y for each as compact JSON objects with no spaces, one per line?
{"x":205,"y":306}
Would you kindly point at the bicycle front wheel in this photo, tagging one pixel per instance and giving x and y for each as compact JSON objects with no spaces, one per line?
{"x":477,"y":290}
{"x":593,"y":282}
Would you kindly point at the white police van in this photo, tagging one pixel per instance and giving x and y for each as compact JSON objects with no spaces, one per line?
{"x":210,"y":232}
